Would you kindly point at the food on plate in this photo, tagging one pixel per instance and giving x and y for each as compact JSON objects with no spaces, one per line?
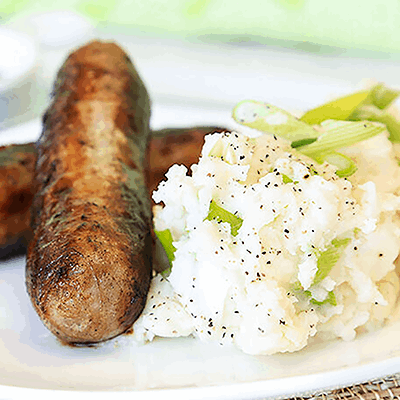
{"x":89,"y":263}
{"x":17,"y":166}
{"x":279,"y":234}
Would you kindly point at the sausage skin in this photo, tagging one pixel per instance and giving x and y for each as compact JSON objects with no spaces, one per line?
{"x":17,"y":167}
{"x":89,"y":263}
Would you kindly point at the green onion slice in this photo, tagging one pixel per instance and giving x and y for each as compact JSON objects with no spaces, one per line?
{"x":218,"y":149}
{"x":346,"y":108}
{"x":270,"y":119}
{"x":220,"y":214}
{"x":340,"y":134}
{"x":165,"y":237}
{"x":321,"y":144}
{"x":286,"y":179}
{"x":223,"y":150}
{"x":330,"y":299}
{"x":327,"y":259}
{"x":373,"y":113}
{"x":346,"y":166}
{"x":298,"y":143}
{"x":339,"y":109}
{"x":382,"y":96}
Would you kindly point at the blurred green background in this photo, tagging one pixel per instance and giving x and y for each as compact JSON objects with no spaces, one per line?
{"x":318,"y":26}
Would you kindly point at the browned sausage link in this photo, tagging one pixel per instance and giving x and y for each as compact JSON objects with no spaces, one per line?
{"x":17,"y":165}
{"x":167,"y":147}
{"x":89,"y":263}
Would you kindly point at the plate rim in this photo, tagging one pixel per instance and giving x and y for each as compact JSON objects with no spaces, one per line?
{"x":268,"y":388}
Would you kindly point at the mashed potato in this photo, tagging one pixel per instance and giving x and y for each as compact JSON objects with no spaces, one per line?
{"x":273,"y":248}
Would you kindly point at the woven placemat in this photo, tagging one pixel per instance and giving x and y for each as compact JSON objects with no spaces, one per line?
{"x":379,"y":389}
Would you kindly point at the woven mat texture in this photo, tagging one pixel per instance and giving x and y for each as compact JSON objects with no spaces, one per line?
{"x":381,"y":389}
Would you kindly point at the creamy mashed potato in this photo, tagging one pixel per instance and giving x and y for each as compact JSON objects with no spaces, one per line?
{"x":302,"y":251}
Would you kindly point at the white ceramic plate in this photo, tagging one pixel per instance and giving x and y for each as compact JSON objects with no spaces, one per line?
{"x":18,"y":56}
{"x":33,"y":362}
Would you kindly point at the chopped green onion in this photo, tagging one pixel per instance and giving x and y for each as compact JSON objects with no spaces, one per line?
{"x":326,"y":261}
{"x":340,"y":134}
{"x":270,"y":119}
{"x":321,"y":144}
{"x":286,"y":179}
{"x":346,"y":166}
{"x":220,"y":214}
{"x":297,"y":286}
{"x":330,"y":299}
{"x":224,"y":151}
{"x":303,"y":142}
{"x":218,"y":149}
{"x":373,"y":113}
{"x":340,"y":109}
{"x":366,"y":105}
{"x":346,"y":107}
{"x":165,"y":238}
{"x":329,"y":258}
{"x":382,"y":96}
{"x":357,"y":232}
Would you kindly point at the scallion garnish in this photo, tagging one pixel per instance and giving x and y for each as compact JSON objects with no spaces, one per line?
{"x":221,"y":215}
{"x":223,"y":151}
{"x":286,"y":179}
{"x":340,"y":109}
{"x":298,"y":143}
{"x":327,"y":259}
{"x":345,"y":165}
{"x":365,"y":114}
{"x":338,"y":134}
{"x":382,"y":96}
{"x":165,"y":238}
{"x":366,"y":105}
{"x":218,"y":149}
{"x":373,"y":113}
{"x":330,"y":299}
{"x":268,"y":118}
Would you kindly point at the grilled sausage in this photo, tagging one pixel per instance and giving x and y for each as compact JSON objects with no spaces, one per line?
{"x":17,"y":165}
{"x":89,"y":263}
